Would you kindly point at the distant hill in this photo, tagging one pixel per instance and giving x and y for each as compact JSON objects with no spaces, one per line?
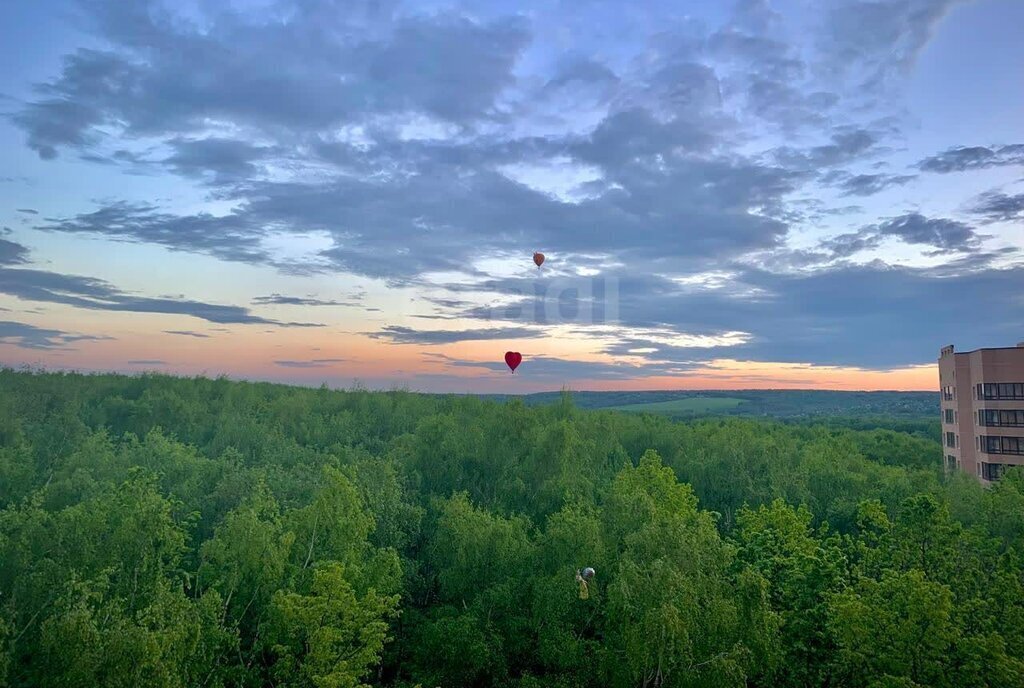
{"x":792,"y":404}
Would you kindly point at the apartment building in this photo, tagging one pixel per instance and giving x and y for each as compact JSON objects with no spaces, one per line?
{"x":982,"y":401}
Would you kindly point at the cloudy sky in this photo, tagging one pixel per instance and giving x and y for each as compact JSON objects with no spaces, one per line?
{"x":795,"y":193}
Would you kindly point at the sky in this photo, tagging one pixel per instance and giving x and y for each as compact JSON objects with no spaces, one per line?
{"x":759,"y":194}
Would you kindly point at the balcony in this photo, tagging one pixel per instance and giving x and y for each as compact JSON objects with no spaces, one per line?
{"x":1012,"y":446}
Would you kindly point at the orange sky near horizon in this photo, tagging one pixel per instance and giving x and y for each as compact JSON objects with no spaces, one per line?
{"x":315,"y":356}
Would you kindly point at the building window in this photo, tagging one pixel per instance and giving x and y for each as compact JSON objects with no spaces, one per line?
{"x":1002,"y":390}
{"x":1002,"y":445}
{"x":950,"y":439}
{"x":950,"y":461}
{"x":949,"y":416}
{"x":1001,"y":418}
{"x":948,"y":393}
{"x":992,"y":471}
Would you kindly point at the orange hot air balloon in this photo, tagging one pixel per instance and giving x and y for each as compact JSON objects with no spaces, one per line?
{"x":538,"y":258}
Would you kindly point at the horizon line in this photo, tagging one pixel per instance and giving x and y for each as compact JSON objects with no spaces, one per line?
{"x":204,"y":375}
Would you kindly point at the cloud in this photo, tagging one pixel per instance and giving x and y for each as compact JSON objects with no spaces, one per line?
{"x":406,"y":335}
{"x":12,"y":253}
{"x":229,"y":237}
{"x":27,"y":336}
{"x":823,"y":316}
{"x":870,"y":315}
{"x":187,"y":333}
{"x":95,"y":294}
{"x":402,"y":169}
{"x":962,"y":158}
{"x":448,"y":303}
{"x":846,"y":245}
{"x":147,"y":362}
{"x":332,"y":64}
{"x":999,"y":207}
{"x":710,"y":203}
{"x":279,"y":300}
{"x":771,"y":78}
{"x":680,"y":151}
{"x":942,"y":233}
{"x":227,"y":160}
{"x":27,"y":211}
{"x":866,"y":184}
{"x":874,"y":42}
{"x":315,"y":363}
{"x":577,"y":70}
{"x":846,"y":144}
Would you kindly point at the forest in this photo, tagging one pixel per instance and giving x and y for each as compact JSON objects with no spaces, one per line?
{"x":774,"y":403}
{"x":172,"y":532}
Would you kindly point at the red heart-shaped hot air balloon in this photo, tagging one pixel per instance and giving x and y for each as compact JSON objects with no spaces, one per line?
{"x":513,"y":359}
{"x":538,"y":258}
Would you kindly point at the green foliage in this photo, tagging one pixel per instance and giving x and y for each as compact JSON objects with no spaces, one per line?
{"x":672,"y":616}
{"x":328,"y":638}
{"x":681,"y":407}
{"x":898,"y":627}
{"x":194,"y":532}
{"x":803,"y":569}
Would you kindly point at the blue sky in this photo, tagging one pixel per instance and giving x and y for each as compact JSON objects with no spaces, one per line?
{"x":748,"y":194}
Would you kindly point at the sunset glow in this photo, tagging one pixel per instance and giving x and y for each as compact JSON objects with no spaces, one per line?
{"x":748,"y":195}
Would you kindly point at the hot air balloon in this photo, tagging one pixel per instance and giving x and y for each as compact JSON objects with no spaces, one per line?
{"x":513,"y":359}
{"x":582,"y":577}
{"x":538,"y":258}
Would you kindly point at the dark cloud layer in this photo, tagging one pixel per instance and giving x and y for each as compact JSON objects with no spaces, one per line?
{"x":963,"y":158}
{"x":228,"y":160}
{"x":874,"y":42}
{"x":407,"y":335}
{"x":330,"y":65}
{"x":12,"y":253}
{"x":280,"y":300}
{"x":187,"y":333}
{"x":999,"y":207}
{"x":314,"y":363}
{"x":397,"y":207}
{"x":28,"y":336}
{"x":941,"y":233}
{"x":822,"y":315}
{"x":866,"y":184}
{"x":225,"y":237}
{"x":846,"y":144}
{"x":95,"y":294}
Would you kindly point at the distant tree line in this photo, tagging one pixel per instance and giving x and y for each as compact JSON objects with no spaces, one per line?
{"x":164,"y":532}
{"x":773,"y":403}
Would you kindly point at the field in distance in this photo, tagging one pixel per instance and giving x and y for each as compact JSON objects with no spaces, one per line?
{"x":788,"y":404}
